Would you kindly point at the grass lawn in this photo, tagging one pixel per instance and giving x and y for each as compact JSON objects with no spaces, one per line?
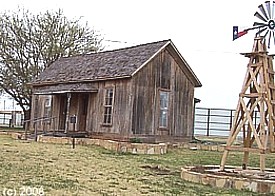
{"x":14,"y":129}
{"x":91,"y":170}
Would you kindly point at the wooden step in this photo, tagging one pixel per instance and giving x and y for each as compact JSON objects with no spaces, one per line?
{"x":271,"y":71}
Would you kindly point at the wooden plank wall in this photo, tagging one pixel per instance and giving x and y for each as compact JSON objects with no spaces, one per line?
{"x":147,"y":82}
{"x":183,"y":104}
{"x":121,"y":110}
{"x":94,"y":121}
{"x":162,"y":73}
{"x":136,"y":101}
{"x":38,"y":111}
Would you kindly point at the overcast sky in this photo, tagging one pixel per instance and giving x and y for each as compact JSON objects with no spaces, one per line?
{"x":201,"y":30}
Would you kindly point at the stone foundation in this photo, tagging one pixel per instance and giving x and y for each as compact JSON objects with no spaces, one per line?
{"x":252,"y":179}
{"x":14,"y":135}
{"x":123,"y":146}
{"x":200,"y":146}
{"x":117,"y":146}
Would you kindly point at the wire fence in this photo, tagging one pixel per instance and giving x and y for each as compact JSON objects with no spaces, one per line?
{"x":11,"y":115}
{"x":216,"y":121}
{"x":207,"y":122}
{"x":11,"y":118}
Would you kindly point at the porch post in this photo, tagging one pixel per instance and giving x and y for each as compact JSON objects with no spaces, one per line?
{"x":68,"y":112}
{"x":36,"y":106}
{"x":35,"y":122}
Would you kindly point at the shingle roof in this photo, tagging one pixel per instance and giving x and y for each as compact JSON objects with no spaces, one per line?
{"x":97,"y":66}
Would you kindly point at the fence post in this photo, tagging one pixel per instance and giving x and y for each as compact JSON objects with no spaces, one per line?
{"x":26,"y":130}
{"x":73,"y":120}
{"x":44,"y":123}
{"x":35,"y":131}
{"x":208,"y":122}
{"x":4,"y":121}
{"x":53,"y":119}
{"x":13,"y":118}
{"x":231,"y":119}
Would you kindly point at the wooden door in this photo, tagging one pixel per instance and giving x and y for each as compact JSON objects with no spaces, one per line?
{"x":62,"y":112}
{"x":83,"y":109}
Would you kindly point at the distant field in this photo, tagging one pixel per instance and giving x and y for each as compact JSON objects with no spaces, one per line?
{"x":90,"y":170}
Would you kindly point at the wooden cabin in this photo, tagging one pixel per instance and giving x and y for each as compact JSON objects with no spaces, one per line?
{"x":144,"y":91}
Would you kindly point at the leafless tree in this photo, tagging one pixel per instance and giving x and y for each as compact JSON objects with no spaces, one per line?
{"x":29,"y":43}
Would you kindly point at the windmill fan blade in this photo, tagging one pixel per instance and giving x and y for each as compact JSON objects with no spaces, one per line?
{"x":261,"y":7}
{"x":265,"y":33}
{"x":258,"y":15}
{"x":267,"y":4}
{"x":269,"y":39}
{"x":273,"y":7}
{"x":259,"y":24}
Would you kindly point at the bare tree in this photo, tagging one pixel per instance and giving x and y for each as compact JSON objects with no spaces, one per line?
{"x":29,"y":43}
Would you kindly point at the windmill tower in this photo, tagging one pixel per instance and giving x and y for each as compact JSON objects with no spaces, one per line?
{"x":257,"y":95}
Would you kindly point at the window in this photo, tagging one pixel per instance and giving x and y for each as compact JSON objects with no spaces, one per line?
{"x":108,"y":106}
{"x":47,"y":107}
{"x":164,"y":109}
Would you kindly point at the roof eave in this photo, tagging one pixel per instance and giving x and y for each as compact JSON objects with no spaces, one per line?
{"x":78,"y":81}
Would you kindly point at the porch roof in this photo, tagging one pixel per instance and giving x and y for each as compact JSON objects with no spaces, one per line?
{"x":66,"y":88}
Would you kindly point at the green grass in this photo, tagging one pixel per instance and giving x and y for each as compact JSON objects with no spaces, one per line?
{"x":91,"y":170}
{"x":11,"y":129}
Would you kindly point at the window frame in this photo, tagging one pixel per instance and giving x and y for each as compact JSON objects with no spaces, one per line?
{"x":108,"y":106}
{"x":47,"y":107}
{"x":164,"y":109}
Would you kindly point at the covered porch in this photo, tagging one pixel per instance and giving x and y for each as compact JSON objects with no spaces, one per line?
{"x":64,"y":108}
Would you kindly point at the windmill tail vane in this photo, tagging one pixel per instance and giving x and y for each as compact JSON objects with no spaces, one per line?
{"x":265,"y":23}
{"x":237,"y":34}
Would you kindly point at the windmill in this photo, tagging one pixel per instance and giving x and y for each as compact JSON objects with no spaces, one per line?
{"x":265,"y":23}
{"x":257,"y":95}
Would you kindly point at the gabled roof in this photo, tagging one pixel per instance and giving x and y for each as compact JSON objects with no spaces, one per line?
{"x":114,"y":64}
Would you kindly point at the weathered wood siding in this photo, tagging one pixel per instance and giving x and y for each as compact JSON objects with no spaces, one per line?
{"x":183,"y":103}
{"x":146,"y":84}
{"x":136,"y":106}
{"x":121,"y":118}
{"x":162,"y":73}
{"x":91,"y":120}
{"x":39,"y":110}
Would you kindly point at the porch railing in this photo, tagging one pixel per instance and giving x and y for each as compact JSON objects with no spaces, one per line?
{"x":45,"y":120}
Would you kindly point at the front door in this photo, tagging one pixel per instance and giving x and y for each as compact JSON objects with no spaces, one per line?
{"x":83,"y":109}
{"x":62,"y":112}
